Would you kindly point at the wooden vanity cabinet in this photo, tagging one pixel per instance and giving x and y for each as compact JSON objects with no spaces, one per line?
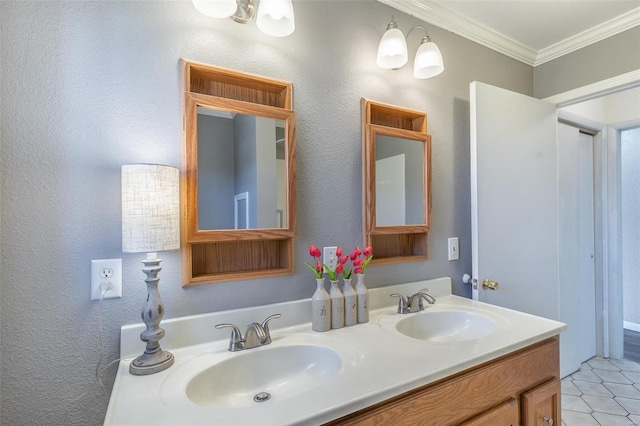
{"x":520,"y":388}
{"x":506,"y":414}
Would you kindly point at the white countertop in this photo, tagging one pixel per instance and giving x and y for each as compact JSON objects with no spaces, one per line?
{"x":382,"y":362}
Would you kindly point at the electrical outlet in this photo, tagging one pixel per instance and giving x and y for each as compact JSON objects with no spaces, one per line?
{"x":454,"y":250}
{"x":330,"y":259}
{"x":109,"y":273}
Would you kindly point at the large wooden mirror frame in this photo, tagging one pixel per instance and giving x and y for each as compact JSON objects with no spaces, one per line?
{"x":394,"y":243}
{"x":215,"y":255}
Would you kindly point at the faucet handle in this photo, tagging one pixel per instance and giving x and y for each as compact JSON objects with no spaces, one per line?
{"x":236,"y":336}
{"x":265,"y":327}
{"x":429,"y":298}
{"x":402,"y":303}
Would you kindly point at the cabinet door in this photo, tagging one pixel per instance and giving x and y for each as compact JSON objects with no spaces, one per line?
{"x":505,"y":414}
{"x":541,"y":405}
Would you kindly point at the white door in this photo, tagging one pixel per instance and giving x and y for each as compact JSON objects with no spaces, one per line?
{"x":576,"y":247}
{"x":514,"y":219}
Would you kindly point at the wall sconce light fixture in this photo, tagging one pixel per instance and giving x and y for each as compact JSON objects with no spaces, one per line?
{"x":151,"y":223}
{"x":392,"y":52}
{"x":274,"y":17}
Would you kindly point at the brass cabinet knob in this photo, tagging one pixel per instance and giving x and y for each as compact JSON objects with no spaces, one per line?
{"x":489,"y":285}
{"x":547,"y":420}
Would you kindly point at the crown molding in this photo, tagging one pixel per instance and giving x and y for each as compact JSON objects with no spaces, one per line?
{"x":593,"y":35}
{"x":434,"y":13}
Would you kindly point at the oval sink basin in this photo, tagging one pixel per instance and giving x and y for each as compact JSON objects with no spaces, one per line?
{"x":278,"y":372}
{"x":290,"y":366}
{"x":446,"y":326}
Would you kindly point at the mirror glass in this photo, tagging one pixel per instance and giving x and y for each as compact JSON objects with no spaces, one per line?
{"x":241,"y":171}
{"x":399,"y":172}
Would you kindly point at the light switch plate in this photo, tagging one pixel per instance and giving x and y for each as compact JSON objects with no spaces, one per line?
{"x":454,"y":249}
{"x":330,"y":259}
{"x":106,"y":271}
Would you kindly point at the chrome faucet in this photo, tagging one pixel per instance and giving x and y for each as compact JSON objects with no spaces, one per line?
{"x":414,"y":303}
{"x":256,"y":335}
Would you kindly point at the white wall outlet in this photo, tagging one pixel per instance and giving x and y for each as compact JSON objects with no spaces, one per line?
{"x":109,"y":272}
{"x":330,"y":259}
{"x":454,"y":249}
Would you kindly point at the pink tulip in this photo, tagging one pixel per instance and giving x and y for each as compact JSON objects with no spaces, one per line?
{"x":344,"y":259}
{"x":319,"y":266}
{"x":312,"y":250}
{"x":357,"y":262}
{"x":339,"y":251}
{"x":355,"y":253}
{"x":339,"y":268}
{"x":358,"y":269}
{"x":368,"y":251}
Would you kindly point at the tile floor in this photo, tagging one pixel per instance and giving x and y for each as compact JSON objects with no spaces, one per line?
{"x":604,"y":392}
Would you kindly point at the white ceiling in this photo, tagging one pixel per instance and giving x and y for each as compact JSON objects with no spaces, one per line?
{"x":531,"y":31}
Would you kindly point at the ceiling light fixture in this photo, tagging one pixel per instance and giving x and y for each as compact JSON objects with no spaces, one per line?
{"x":392,"y":52}
{"x":274,"y":17}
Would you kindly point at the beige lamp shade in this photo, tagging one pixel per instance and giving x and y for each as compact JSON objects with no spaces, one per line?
{"x":150,"y":208}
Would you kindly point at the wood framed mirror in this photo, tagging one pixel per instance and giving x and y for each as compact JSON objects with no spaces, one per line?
{"x":396,"y":160}
{"x":238,"y":186}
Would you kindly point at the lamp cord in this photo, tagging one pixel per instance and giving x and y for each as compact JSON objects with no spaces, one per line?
{"x":98,"y":369}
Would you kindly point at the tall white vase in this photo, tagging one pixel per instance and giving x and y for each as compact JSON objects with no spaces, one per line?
{"x":337,"y":305}
{"x":363,"y":300}
{"x":320,"y":308}
{"x":350,"y":303}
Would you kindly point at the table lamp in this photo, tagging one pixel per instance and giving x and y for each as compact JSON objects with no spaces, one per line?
{"x":151,"y":223}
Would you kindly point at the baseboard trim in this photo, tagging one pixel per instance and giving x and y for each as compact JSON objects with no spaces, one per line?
{"x":632,"y":326}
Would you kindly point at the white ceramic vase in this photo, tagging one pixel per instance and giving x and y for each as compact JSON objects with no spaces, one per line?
{"x":337,"y":305}
{"x":363,"y":299}
{"x":320,"y":308}
{"x":350,"y":303}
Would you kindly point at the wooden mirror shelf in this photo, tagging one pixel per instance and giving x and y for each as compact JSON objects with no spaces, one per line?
{"x":226,"y":253}
{"x":396,"y":240}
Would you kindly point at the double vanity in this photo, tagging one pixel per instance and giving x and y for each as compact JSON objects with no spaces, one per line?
{"x":458,"y":361}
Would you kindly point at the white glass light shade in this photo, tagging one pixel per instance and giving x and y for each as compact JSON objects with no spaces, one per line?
{"x":150,"y":208}
{"x":392,"y":50}
{"x":428,"y":61}
{"x":275,"y":17}
{"x":216,"y":8}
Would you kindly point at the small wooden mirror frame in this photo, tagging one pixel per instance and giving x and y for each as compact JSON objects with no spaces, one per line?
{"x":400,"y":243}
{"x":210,"y":256}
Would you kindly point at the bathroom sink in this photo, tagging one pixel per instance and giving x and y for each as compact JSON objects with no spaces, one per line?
{"x":446,"y":326}
{"x":288,"y":367}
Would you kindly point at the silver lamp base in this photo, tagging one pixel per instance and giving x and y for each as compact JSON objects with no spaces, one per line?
{"x":147,"y":364}
{"x":154,"y":359}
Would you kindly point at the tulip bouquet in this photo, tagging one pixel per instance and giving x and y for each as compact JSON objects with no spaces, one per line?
{"x":317,"y":266}
{"x":361,"y":259}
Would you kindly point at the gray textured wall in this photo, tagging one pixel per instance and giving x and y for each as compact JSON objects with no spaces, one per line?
{"x":608,"y":58}
{"x":630,"y":170}
{"x":89,"y":86}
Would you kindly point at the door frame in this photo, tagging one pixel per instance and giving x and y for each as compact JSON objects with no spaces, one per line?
{"x":607,"y":203}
